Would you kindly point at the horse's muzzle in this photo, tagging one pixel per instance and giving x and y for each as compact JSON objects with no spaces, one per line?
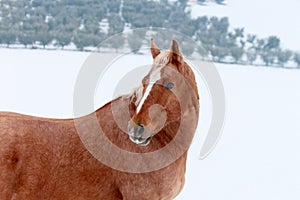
{"x":140,"y":141}
{"x":138,"y":134}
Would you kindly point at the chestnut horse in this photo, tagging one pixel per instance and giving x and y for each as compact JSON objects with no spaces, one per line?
{"x":43,"y":158}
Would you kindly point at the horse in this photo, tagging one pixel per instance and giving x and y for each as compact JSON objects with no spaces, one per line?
{"x":43,"y":158}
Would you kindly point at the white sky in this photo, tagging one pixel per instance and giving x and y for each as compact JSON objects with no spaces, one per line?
{"x":264,"y":18}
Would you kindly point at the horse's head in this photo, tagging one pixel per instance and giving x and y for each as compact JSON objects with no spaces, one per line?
{"x":155,"y":104}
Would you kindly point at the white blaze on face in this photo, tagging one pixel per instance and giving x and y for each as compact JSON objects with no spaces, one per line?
{"x":154,"y":76}
{"x":138,"y":94}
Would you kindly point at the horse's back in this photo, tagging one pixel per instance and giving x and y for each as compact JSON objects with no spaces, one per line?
{"x":31,"y":135}
{"x":44,"y":158}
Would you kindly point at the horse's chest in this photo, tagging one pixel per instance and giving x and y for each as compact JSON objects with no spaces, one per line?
{"x":163,"y":184}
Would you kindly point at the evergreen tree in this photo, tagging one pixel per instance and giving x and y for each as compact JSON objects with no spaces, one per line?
{"x":116,"y":25}
{"x":219,"y":1}
{"x":114,"y":6}
{"x":187,"y":47}
{"x":201,"y":24}
{"x":201,"y":1}
{"x":251,"y":55}
{"x":79,"y":41}
{"x":218,"y":53}
{"x":82,"y":40}
{"x":236,"y":53}
{"x":272,"y":43}
{"x":44,"y":38}
{"x":135,"y":39}
{"x":202,"y":50}
{"x":238,"y":33}
{"x":284,"y":56}
{"x":117,"y":42}
{"x":63,"y":40}
{"x":251,"y":39}
{"x":183,"y":4}
{"x":260,"y":43}
{"x":268,"y":57}
{"x":269,"y":49}
{"x":181,"y":22}
{"x":25,"y":38}
{"x":143,"y":13}
{"x":216,"y":38}
{"x":297,"y":59}
{"x":8,"y":37}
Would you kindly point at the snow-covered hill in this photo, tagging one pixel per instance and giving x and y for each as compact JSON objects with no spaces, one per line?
{"x":263,"y":18}
{"x":257,"y":156}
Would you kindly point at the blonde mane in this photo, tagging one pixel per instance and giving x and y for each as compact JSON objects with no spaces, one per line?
{"x":163,"y":58}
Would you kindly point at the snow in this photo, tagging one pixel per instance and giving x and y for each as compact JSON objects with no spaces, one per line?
{"x":263,"y":18}
{"x":257,"y":156}
{"x":38,"y":82}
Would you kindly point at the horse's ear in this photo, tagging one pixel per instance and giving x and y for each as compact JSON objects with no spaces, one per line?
{"x":154,"y":49}
{"x":176,"y":54}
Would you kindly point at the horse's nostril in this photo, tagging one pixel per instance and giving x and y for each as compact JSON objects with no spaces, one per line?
{"x":141,"y":129}
{"x":141,"y":125}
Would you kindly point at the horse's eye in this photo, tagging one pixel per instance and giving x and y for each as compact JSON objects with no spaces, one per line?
{"x":169,"y":85}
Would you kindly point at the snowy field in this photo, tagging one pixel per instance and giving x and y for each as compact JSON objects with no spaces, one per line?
{"x":257,"y":156}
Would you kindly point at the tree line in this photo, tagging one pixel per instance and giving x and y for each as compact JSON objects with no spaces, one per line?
{"x":216,"y":1}
{"x":41,"y":23}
